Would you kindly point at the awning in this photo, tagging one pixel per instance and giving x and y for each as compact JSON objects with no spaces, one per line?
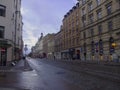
{"x":5,"y":43}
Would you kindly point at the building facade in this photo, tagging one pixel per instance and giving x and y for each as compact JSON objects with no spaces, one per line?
{"x":44,"y":48}
{"x":58,"y":44}
{"x":71,"y":34}
{"x":37,"y":50}
{"x":100,"y":23}
{"x":48,"y":46}
{"x":89,"y":31}
{"x":11,"y":42}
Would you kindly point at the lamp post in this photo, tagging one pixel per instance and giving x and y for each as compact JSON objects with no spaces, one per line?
{"x":25,"y":62}
{"x":25,"y":49}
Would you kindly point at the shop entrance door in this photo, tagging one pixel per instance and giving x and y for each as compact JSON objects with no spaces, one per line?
{"x":3,"y":56}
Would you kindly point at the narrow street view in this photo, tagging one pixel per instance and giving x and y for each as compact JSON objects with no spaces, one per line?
{"x":59,"y":44}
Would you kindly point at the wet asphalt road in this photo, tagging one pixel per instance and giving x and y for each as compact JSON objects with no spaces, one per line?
{"x":46,"y":76}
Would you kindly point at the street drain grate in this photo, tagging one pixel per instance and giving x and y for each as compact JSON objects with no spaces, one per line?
{"x":60,"y":73}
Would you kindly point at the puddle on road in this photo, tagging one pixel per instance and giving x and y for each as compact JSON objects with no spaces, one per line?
{"x":31,"y":73}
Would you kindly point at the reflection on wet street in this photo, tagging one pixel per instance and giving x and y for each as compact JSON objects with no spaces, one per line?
{"x":46,"y":76}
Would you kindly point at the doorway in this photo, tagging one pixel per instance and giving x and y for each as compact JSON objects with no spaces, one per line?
{"x":3,"y":56}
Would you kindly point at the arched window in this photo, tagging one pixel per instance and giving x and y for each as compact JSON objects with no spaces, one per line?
{"x":111,"y":48}
{"x":93,"y":47}
{"x":100,"y":47}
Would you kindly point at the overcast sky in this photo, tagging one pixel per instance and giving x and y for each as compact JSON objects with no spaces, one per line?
{"x":43,"y":16}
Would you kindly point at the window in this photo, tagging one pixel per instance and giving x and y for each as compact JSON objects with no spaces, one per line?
{"x":76,"y":14}
{"x":18,"y":40}
{"x":85,"y":47}
{"x":110,"y":25}
{"x":77,"y":40}
{"x":18,"y":27}
{"x":92,"y":32}
{"x":76,"y":30}
{"x":91,"y":18}
{"x":99,"y":14}
{"x":73,"y":41}
{"x":77,"y":22}
{"x":2,"y":10}
{"x":83,"y":1}
{"x":84,"y":35}
{"x":100,"y":29}
{"x":109,"y":8}
{"x":83,"y":11}
{"x":90,"y":6}
{"x":100,"y":47}
{"x":98,"y":2}
{"x":92,"y":47}
{"x":111,"y":48}
{"x":2,"y":31}
{"x":84,"y":20}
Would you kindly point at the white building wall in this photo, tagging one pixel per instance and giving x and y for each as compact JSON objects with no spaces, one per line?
{"x":9,"y":23}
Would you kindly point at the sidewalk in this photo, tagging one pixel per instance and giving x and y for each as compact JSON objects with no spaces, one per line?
{"x":107,"y":63}
{"x":22,"y":65}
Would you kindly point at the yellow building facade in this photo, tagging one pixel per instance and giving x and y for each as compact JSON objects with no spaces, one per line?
{"x":100,"y":24}
{"x":91,"y":30}
{"x":71,"y":33}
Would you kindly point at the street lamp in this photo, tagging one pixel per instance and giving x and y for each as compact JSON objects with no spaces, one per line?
{"x":25,"y":49}
{"x":114,"y":44}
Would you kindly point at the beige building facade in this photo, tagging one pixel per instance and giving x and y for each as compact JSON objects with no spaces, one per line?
{"x":71,"y":34}
{"x":58,"y":44}
{"x":100,"y":23}
{"x":44,"y":48}
{"x":37,"y":50}
{"x":48,"y":46}
{"x":11,"y":42}
{"x":91,"y":30}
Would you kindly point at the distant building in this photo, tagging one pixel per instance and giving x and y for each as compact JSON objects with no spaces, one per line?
{"x":58,"y":44}
{"x":11,"y":42}
{"x":48,"y":46}
{"x":44,"y":48}
{"x":37,"y":50}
